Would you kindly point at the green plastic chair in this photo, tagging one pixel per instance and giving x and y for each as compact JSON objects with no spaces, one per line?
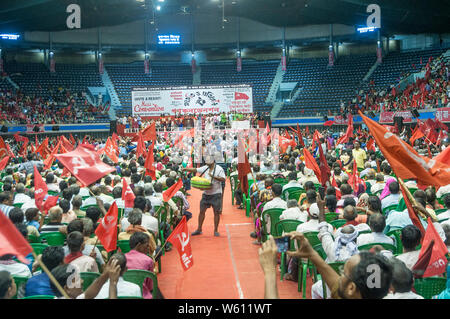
{"x":293,"y":193}
{"x":38,"y":248}
{"x":286,"y":226}
{"x":138,"y":276}
{"x":40,"y":297}
{"x":303,"y":267}
{"x":18,"y":205}
{"x":124,"y":245}
{"x":34,"y":239}
{"x":233,"y":184}
{"x":396,"y":235}
{"x":281,"y":181}
{"x":338,"y":223}
{"x":54,"y":238}
{"x":84,"y":208}
{"x":88,"y":278}
{"x":429,"y":287}
{"x":329,"y":217}
{"x":439,"y":211}
{"x":20,"y":283}
{"x":390,"y":247}
{"x":53,"y":193}
{"x":274,"y":215}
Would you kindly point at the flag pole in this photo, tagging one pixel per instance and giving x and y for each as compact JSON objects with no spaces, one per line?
{"x":49,"y":274}
{"x":414,"y":202}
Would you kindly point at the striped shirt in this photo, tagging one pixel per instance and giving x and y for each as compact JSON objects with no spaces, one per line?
{"x":6,"y":209}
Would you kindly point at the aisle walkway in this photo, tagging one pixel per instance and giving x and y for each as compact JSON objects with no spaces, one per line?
{"x":225,"y":267}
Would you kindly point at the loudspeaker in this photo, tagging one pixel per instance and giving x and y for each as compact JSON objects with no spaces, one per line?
{"x":113,"y":127}
{"x":55,"y":128}
{"x":415,"y":113}
{"x":399,"y":121}
{"x":36,"y":129}
{"x":4,"y":129}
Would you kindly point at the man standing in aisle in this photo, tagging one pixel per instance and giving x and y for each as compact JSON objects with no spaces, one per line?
{"x":212,"y":196}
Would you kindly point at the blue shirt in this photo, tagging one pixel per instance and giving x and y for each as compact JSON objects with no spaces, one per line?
{"x":34,"y":223}
{"x":38,"y":285}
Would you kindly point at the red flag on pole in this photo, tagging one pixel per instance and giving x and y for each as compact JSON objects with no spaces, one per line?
{"x":12,"y":241}
{"x":127,"y":194}
{"x":404,"y":160}
{"x":149,"y":167}
{"x":4,"y":162}
{"x":348,"y":133}
{"x":300,"y":137}
{"x":172,"y":190}
{"x":50,"y":202}
{"x":107,"y":230}
{"x":40,"y":189}
{"x":325,"y":171}
{"x":111,"y":151}
{"x":180,"y":239}
{"x":412,"y":214}
{"x":149,"y":133}
{"x":338,"y":191}
{"x":72,"y":140}
{"x":85,"y":165}
{"x":311,"y":163}
{"x":432,"y":257}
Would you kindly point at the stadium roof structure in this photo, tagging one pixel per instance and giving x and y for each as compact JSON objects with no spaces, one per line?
{"x":397,"y":17}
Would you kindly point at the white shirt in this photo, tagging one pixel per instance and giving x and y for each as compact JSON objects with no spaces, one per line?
{"x":403,"y":295}
{"x":376,"y":187}
{"x":89,"y":201}
{"x":15,"y":268}
{"x":390,"y":200}
{"x":106,"y":199}
{"x":371,"y":238}
{"x":148,"y":222}
{"x":410,"y":258}
{"x":294,"y":213}
{"x":328,"y":244}
{"x":53,"y":187}
{"x":291,"y":184}
{"x":21,"y":198}
{"x":277,"y":202}
{"x":443,"y":190}
{"x":216,"y":185}
{"x":311,"y":225}
{"x":124,"y":289}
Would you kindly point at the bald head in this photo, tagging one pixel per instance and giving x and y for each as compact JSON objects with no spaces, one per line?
{"x":347,"y":229}
{"x":377,"y":222}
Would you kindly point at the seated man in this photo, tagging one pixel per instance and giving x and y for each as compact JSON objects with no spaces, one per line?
{"x":39,"y":284}
{"x":294,"y":212}
{"x":350,"y":215}
{"x":446,"y":214}
{"x":379,"y":183}
{"x":346,"y":192}
{"x":394,"y":196}
{"x":75,"y":242}
{"x":410,"y":238}
{"x":377,"y":223}
{"x":276,"y":202}
{"x":292,"y":177}
{"x":55,"y":216}
{"x":20,"y":196}
{"x":8,"y":287}
{"x":137,"y":258}
{"x":402,"y":282}
{"x":135,"y":220}
{"x":124,"y":288}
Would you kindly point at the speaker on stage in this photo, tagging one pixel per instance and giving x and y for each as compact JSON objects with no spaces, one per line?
{"x":399,"y":121}
{"x":325,"y":118}
{"x":113,"y":127}
{"x":36,"y":129}
{"x":415,"y":113}
{"x":55,"y":128}
{"x":4,"y":129}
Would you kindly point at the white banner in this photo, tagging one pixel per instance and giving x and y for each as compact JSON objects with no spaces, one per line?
{"x":240,"y":125}
{"x":151,"y":101}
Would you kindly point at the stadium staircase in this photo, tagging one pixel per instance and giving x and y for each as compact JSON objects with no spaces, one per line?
{"x":13,"y":84}
{"x":277,"y":106}
{"x":271,"y":97}
{"x":115,"y":102}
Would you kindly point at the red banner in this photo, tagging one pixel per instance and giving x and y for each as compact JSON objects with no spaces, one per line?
{"x":443,"y":114}
{"x":388,"y":117}
{"x":339,"y":120}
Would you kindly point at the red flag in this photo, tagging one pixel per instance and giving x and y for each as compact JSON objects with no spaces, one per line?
{"x":371,"y":144}
{"x":429,"y":151}
{"x":85,"y":165}
{"x":286,"y":134}
{"x":354,"y":179}
{"x":311,"y":163}
{"x":40,"y":189}
{"x":49,"y":160}
{"x":325,"y":171}
{"x":20,"y":138}
{"x":404,"y":160}
{"x":149,"y":133}
{"x":338,"y":191}
{"x":172,"y":190}
{"x":284,"y":143}
{"x":328,"y":123}
{"x":300,"y":137}
{"x":66,"y":143}
{"x":432,"y":257}
{"x":4,"y":162}
{"x":107,"y":229}
{"x":11,"y":154}
{"x":127,"y":194}
{"x":72,"y":140}
{"x":348,"y":133}
{"x":140,"y":148}
{"x":50,"y":202}
{"x":149,"y":167}
{"x":243,"y":167}
{"x":417,"y":134}
{"x":111,"y":151}
{"x":180,"y":239}
{"x":444,"y":156}
{"x":12,"y":241}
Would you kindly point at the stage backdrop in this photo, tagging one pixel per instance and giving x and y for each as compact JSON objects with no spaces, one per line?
{"x":154,"y":101}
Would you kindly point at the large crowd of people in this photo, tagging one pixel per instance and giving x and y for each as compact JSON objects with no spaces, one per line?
{"x":344,"y":218}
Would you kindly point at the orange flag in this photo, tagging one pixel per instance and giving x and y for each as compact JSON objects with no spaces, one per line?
{"x":111,"y":151}
{"x":12,"y":240}
{"x":417,"y":134}
{"x":172,"y":190}
{"x":404,"y":160}
{"x":107,"y":230}
{"x":4,"y":162}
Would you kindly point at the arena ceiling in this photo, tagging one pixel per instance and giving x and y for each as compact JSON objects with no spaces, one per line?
{"x":397,"y":17}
